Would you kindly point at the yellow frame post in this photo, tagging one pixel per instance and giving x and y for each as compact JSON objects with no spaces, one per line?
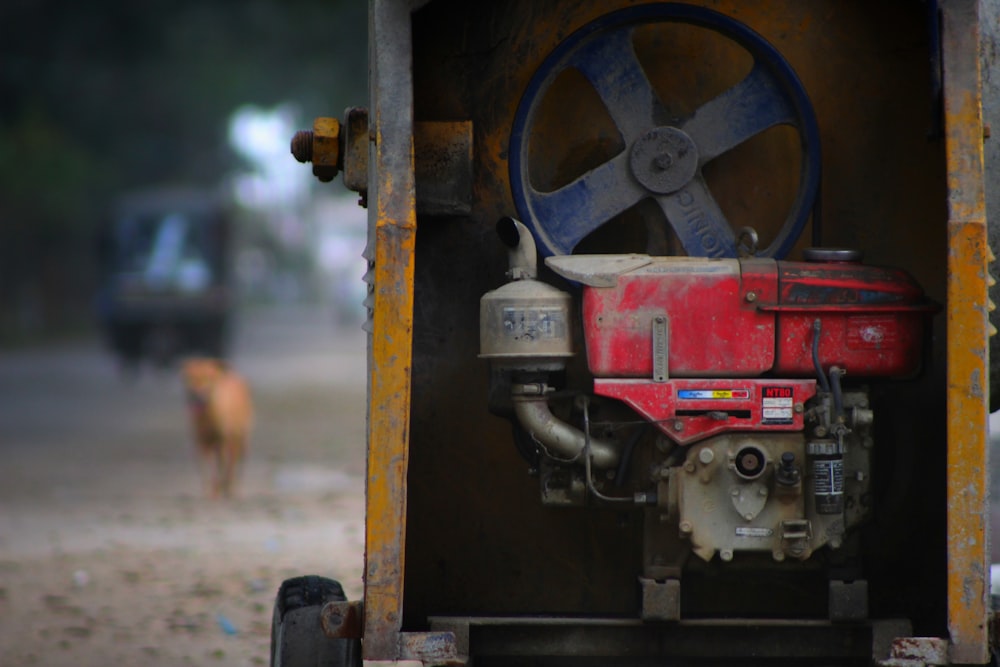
{"x":393,"y":220}
{"x":967,"y":337}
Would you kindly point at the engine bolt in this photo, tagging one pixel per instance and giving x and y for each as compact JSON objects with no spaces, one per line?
{"x":751,"y":297}
{"x":678,"y":425}
{"x":686,"y":527}
{"x":798,"y":408}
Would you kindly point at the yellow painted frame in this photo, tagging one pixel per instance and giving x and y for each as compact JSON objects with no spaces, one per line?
{"x":393,"y":222}
{"x":967,"y":337}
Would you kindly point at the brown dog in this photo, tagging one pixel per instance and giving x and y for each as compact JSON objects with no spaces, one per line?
{"x":222,"y":417}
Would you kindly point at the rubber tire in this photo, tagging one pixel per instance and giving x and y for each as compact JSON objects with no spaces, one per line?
{"x":297,"y":638}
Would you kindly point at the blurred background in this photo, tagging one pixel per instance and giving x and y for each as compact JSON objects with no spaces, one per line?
{"x":150,"y":208}
{"x":101,"y":99}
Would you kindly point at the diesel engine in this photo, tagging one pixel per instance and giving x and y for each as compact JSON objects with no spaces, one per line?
{"x":744,"y":382}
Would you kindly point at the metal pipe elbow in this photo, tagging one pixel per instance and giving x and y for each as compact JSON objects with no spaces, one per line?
{"x":559,"y":437}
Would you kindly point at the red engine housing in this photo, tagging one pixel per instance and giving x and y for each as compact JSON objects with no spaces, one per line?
{"x":730,"y":319}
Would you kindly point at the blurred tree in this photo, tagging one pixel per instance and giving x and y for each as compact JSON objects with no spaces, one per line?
{"x":107,"y":95}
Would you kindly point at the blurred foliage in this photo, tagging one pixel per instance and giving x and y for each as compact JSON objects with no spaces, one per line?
{"x":103,"y":96}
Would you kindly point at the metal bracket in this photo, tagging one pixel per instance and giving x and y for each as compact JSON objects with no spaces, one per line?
{"x":661,"y":600}
{"x":848,"y":600}
{"x":343,"y":620}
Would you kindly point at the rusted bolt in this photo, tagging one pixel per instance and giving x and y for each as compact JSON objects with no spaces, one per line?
{"x":321,"y":146}
{"x":302,"y":146}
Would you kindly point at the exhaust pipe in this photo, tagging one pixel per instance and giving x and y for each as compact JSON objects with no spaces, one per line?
{"x":559,"y":438}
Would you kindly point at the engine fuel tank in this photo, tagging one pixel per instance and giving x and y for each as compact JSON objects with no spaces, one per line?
{"x":659,"y":317}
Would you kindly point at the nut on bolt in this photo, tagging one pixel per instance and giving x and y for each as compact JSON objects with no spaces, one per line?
{"x":321,"y":146}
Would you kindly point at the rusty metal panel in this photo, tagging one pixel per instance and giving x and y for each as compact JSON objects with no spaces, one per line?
{"x":917,"y":652}
{"x":967,"y":332}
{"x":343,"y":620}
{"x":443,"y":165}
{"x":430,"y":648}
{"x":393,"y":218}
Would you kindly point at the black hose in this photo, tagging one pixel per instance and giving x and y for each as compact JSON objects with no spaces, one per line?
{"x":626,"y":459}
{"x":586,"y":462}
{"x":823,"y":382}
{"x":838,"y":395}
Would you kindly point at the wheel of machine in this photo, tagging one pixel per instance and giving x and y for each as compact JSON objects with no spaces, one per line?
{"x":297,"y":638}
{"x":662,"y":152}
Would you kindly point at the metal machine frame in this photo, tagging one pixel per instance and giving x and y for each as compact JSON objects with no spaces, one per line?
{"x":392,"y":205}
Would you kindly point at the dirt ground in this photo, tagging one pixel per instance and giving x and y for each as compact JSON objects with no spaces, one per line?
{"x":109,"y":555}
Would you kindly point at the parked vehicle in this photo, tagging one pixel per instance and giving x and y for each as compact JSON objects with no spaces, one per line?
{"x":165,"y":288}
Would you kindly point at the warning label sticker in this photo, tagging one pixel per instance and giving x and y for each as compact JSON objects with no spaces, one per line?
{"x":777,"y":405}
{"x":713,"y":394}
